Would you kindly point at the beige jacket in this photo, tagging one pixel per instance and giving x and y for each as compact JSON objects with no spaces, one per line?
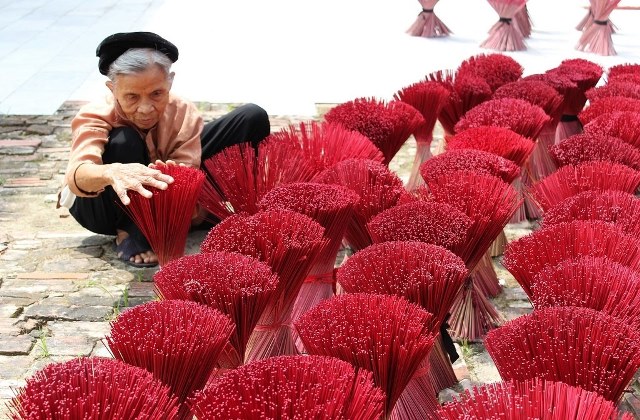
{"x":175,"y":137}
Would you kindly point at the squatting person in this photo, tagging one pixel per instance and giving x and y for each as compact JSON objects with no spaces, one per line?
{"x":118,"y":142}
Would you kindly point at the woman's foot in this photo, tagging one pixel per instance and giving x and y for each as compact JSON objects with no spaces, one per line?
{"x":141,"y":257}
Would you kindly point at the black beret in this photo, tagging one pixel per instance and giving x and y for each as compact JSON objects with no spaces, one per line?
{"x":115,"y":45}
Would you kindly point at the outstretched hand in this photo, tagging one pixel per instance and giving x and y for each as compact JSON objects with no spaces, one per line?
{"x":159,"y":164}
{"x":126,"y":177}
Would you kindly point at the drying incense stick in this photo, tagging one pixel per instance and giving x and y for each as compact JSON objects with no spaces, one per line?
{"x":378,"y":188}
{"x":165,"y":218}
{"x":237,"y":285}
{"x":506,"y":35}
{"x":93,"y":387}
{"x":428,"y":97}
{"x":616,"y":207}
{"x":530,"y":399}
{"x":608,"y":105}
{"x":291,"y":387}
{"x":427,"y":24}
{"x":425,"y":274}
{"x":176,"y":340}
{"x":590,"y":282}
{"x":289,"y":242}
{"x":624,"y":125}
{"x":573,"y":179}
{"x":527,"y":256}
{"x":388,"y":124}
{"x":579,"y":346}
{"x":518,"y":115}
{"x":588,"y":147}
{"x":385,"y":334}
{"x":332,"y":206}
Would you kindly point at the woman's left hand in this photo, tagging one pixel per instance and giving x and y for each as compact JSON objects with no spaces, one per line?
{"x":160,"y":164}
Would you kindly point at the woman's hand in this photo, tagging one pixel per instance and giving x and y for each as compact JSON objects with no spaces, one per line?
{"x":125,"y":177}
{"x":159,"y":164}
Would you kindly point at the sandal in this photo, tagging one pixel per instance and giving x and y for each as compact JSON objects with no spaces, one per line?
{"x":130,"y":247}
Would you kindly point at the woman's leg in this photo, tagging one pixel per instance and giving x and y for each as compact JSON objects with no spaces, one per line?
{"x":103,"y":214}
{"x":247,"y":123}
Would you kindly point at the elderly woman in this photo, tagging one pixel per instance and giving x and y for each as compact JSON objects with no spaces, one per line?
{"x":118,"y":143}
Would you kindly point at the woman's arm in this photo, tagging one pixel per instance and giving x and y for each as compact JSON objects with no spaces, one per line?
{"x":123,"y":177}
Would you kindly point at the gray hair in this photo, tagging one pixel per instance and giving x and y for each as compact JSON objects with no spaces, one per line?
{"x":137,"y":60}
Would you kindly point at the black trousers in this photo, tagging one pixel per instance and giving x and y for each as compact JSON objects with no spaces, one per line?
{"x":104,"y":214}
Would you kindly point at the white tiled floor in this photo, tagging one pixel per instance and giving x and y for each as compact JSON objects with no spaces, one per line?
{"x":285,"y":55}
{"x":47,"y":48}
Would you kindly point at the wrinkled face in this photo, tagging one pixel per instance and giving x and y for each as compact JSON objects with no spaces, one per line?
{"x":142,"y":96}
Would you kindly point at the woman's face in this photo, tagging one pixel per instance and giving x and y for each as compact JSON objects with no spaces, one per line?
{"x":142,"y":96}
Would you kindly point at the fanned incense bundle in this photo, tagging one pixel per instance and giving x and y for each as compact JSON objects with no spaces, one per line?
{"x":237,"y":285}
{"x":289,"y":242}
{"x":546,"y":97}
{"x":332,"y":206}
{"x":626,"y":78}
{"x":587,"y":20}
{"x":496,"y":69}
{"x":506,"y":35}
{"x":614,"y":88}
{"x":596,"y":38}
{"x":588,"y":146}
{"x":325,"y":144}
{"x":566,"y":88}
{"x":527,"y":256}
{"x":387,"y":335}
{"x":535,"y":92}
{"x":524,"y":22}
{"x":469,"y":159}
{"x":608,"y":105}
{"x":497,"y":140}
{"x":292,"y":387}
{"x":624,"y":125}
{"x":590,"y":282}
{"x":165,"y":218}
{"x":540,"y":164}
{"x":578,"y":346}
{"x":428,"y":97}
{"x":586,"y":75}
{"x":93,"y":388}
{"x":622,"y":69}
{"x":489,"y":203}
{"x":378,"y":189}
{"x":387,"y":124}
{"x":571,"y":180}
{"x":573,"y":100}
{"x":486,"y":200}
{"x":424,"y":221}
{"x":584,"y":72}
{"x":465,"y":92}
{"x":176,"y":340}
{"x":427,"y":24}
{"x":238,"y":176}
{"x":425,"y":274}
{"x":617,"y":207}
{"x":430,"y":222}
{"x":518,"y":115}
{"x":529,"y":399}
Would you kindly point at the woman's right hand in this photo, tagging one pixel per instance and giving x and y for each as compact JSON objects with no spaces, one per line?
{"x":124,"y":177}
